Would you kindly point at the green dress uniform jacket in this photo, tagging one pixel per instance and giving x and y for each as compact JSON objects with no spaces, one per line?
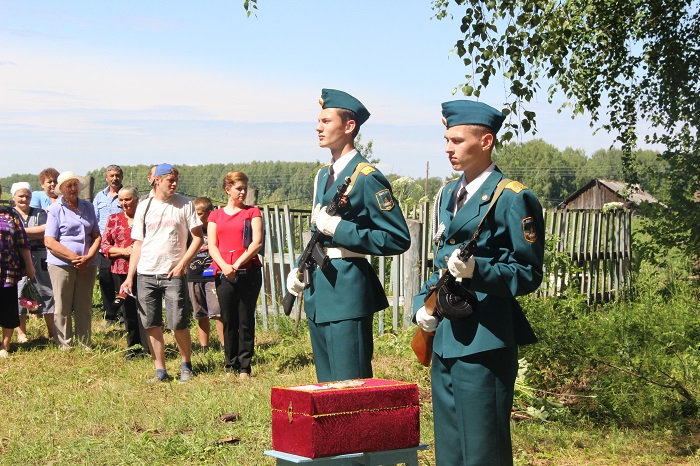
{"x":474,"y":362}
{"x":509,"y":257}
{"x":372,"y":223}
{"x":342,"y":299}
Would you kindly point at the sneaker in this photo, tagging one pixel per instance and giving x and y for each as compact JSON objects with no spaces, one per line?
{"x":4,"y":354}
{"x":185,"y":375}
{"x":157,"y":379}
{"x":21,"y":338}
{"x":243,"y":375}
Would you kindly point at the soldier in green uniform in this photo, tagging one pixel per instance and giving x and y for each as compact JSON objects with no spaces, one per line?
{"x":341,"y":300}
{"x":475,"y":359}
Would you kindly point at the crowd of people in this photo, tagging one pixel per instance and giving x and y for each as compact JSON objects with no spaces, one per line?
{"x":165,"y":246}
{"x":57,"y":245}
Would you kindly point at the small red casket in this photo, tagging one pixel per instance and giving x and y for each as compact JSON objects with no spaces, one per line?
{"x":351,"y":416}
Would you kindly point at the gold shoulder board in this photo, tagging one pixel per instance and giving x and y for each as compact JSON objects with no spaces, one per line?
{"x":515,"y":186}
{"x":450,"y":181}
{"x":367,"y":170}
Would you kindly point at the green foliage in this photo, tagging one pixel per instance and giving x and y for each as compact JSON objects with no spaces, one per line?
{"x":550,"y":173}
{"x":533,"y":402}
{"x":554,"y":175}
{"x":367,"y":150}
{"x":250,"y":5}
{"x":650,"y":238}
{"x":276,"y":182}
{"x":626,"y":63}
{"x":634,"y":363}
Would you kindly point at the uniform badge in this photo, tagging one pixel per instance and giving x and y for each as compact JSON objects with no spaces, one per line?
{"x":444,"y":121}
{"x":529,"y":231}
{"x":385,"y":199}
{"x":320,"y":101}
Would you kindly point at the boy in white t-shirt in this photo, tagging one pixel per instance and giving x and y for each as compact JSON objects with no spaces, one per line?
{"x":159,"y":261}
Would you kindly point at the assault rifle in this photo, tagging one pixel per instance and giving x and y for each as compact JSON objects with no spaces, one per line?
{"x":442,"y":301}
{"x":313,"y":252}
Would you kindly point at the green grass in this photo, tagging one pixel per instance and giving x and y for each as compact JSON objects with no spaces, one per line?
{"x":93,"y":408}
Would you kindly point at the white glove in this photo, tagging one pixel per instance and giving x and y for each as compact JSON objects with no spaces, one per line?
{"x":294,"y":285}
{"x":327,"y":223}
{"x":460,"y":269}
{"x":425,"y":321}
{"x":314,"y":213}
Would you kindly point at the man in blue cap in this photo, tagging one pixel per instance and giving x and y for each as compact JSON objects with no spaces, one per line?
{"x":158,"y":264}
{"x":342,"y":299}
{"x":475,"y":357}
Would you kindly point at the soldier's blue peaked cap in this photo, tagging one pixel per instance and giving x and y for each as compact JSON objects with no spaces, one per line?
{"x":333,"y":98}
{"x":468,"y":112}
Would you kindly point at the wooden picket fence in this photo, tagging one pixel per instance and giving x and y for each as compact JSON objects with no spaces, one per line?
{"x":597,"y":244}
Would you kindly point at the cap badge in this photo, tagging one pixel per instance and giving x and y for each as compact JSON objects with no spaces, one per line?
{"x":320,"y":101}
{"x":444,"y":121}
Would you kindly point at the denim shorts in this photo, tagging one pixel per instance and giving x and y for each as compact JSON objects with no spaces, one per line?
{"x":151,"y":291}
{"x":205,"y":302}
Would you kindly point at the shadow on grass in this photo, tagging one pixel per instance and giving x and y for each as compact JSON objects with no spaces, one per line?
{"x":296,"y":362}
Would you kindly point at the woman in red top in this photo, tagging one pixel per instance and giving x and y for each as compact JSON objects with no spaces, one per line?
{"x":238,"y":270}
{"x":116,"y":244}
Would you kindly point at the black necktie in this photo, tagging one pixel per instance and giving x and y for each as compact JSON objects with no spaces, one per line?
{"x":330,"y":178}
{"x":461,"y":198}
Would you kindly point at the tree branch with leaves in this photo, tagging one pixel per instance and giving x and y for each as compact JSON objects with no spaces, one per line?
{"x":632,"y":65}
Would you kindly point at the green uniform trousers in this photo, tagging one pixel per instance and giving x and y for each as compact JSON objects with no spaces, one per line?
{"x":343,"y":349}
{"x":472,"y":401}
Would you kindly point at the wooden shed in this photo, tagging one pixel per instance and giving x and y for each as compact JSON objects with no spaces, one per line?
{"x":598,"y":192}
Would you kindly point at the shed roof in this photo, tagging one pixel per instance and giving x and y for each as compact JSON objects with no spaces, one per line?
{"x":635,"y":194}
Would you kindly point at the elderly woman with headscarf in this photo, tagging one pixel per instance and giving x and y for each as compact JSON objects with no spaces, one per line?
{"x":34,"y":221}
{"x":72,"y":238}
{"x":15,"y":261}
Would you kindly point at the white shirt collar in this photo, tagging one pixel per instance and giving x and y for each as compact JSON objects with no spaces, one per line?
{"x":474,"y":185}
{"x":340,"y":164}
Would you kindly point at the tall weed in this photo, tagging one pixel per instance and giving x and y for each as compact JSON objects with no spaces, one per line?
{"x":629,"y":363}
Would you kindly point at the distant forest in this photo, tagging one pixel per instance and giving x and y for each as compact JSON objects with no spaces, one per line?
{"x":551,"y":173}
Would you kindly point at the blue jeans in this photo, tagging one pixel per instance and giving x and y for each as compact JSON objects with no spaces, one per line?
{"x":151,"y":290}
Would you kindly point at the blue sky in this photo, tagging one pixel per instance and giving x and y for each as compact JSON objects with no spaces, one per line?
{"x":84,"y":84}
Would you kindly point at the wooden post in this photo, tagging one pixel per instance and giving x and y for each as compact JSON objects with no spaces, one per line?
{"x":265,"y":286}
{"x":412,"y":270}
{"x":382,"y":271}
{"x":251,"y":197}
{"x":88,"y":190}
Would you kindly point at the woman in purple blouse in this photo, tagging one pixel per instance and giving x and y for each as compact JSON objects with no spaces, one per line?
{"x":72,"y":239}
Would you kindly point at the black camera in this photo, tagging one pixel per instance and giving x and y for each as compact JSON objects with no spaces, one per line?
{"x":119,"y":299}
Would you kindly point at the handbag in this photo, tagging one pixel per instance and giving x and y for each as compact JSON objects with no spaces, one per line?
{"x":198,"y":265}
{"x":248,"y":236}
{"x":247,"y":233}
